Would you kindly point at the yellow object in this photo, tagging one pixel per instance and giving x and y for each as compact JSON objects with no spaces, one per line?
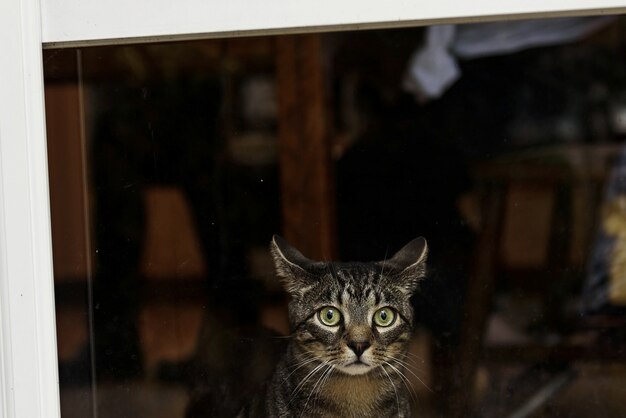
{"x":614,"y":224}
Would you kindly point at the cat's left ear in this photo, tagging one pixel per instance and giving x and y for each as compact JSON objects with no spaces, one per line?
{"x":409,"y":264}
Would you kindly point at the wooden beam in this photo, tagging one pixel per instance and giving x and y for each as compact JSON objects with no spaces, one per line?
{"x":306,"y":168}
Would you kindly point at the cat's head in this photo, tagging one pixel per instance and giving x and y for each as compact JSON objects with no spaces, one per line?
{"x":355,"y":316}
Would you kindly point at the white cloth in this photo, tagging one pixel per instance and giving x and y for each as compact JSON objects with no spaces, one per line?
{"x":433,"y":67}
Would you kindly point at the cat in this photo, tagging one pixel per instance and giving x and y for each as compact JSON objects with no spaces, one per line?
{"x":351,"y":324}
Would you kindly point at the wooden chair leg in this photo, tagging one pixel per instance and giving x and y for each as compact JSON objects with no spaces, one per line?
{"x":477,"y":305}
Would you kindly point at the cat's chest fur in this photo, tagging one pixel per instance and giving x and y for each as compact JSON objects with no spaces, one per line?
{"x":354,"y":395}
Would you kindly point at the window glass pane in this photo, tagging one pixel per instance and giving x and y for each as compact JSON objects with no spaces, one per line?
{"x":173,"y":165}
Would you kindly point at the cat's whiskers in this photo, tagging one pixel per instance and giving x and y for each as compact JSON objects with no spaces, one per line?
{"x":405,"y":366}
{"x":299,"y":365}
{"x":408,"y":361}
{"x":416,"y":357}
{"x":305,"y":358}
{"x":382,"y":269}
{"x":305,"y":379}
{"x":405,"y":381}
{"x":392,"y":385}
{"x":303,"y":352}
{"x":385,"y":354}
{"x":332,"y":369}
{"x":331,"y":270}
{"x":321,"y":381}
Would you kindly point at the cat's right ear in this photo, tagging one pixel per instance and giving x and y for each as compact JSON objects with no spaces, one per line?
{"x":291,"y":266}
{"x":410,"y":265}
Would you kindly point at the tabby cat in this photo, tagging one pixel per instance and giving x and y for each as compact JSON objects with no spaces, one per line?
{"x":351,"y":324}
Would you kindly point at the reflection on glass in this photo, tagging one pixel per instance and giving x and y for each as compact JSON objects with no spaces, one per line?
{"x":173,"y":165}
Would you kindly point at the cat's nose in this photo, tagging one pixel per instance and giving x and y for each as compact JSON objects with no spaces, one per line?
{"x":359,"y":347}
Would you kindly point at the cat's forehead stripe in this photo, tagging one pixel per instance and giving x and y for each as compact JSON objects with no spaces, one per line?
{"x":374,"y":298}
{"x":350,"y":283}
{"x":337,"y":296}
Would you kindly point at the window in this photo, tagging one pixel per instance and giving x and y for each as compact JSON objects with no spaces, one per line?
{"x":27,"y":329}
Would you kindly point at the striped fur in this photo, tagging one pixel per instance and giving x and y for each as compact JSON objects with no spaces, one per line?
{"x":352,"y":369}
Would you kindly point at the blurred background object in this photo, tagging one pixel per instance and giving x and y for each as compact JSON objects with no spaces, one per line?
{"x":171,"y":165}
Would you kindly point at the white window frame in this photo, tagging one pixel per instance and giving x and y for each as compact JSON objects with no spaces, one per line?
{"x":28,"y":357}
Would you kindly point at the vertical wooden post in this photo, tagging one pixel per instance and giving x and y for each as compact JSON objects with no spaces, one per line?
{"x":478,"y":304}
{"x":306,"y":168}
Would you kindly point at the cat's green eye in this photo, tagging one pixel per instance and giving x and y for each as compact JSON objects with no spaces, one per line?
{"x":384,"y":317}
{"x":329,"y":316}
